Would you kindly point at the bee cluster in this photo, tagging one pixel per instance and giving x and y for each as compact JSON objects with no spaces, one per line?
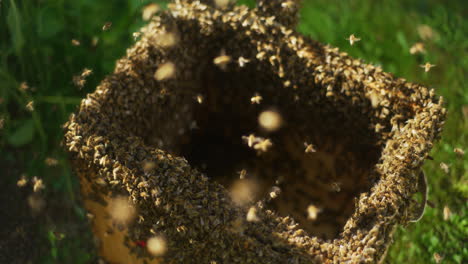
{"x":335,"y":199}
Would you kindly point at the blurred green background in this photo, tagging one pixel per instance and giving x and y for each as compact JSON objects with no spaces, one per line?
{"x":45,"y":43}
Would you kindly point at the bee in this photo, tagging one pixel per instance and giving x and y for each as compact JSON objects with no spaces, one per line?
{"x":427,"y":66}
{"x":22,"y":181}
{"x":275,"y":191}
{"x":143,"y":184}
{"x":335,"y":186}
{"x":90,"y":216}
{"x":353,"y":39}
{"x":418,"y":47}
{"x":447,"y":213}
{"x":165,"y":71}
{"x":222,"y":61}
{"x":251,"y":140}
{"x":460,"y":152}
{"x":444,"y":167}
{"x":136,"y":35}
{"x":438,"y":258}
{"x":38,"y":184}
{"x":309,"y":148}
{"x":242,"y":174}
{"x":75,"y":42}
{"x":242,"y":61}
{"x":51,"y":162}
{"x":30,"y":106}
{"x":107,"y":26}
{"x":256,"y":99}
{"x":86,"y":72}
{"x":312,"y":212}
{"x":79,"y":81}
{"x":263,"y":145}
{"x":199,"y":98}
{"x":252,"y":215}
{"x":24,"y":86}
{"x":181,"y":229}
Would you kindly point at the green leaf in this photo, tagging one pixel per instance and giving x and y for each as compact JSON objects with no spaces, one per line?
{"x":23,"y":134}
{"x":14,"y":26}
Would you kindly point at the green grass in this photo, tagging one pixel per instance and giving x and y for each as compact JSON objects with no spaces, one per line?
{"x":35,"y":47}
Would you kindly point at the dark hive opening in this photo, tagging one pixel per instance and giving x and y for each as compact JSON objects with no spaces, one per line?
{"x":206,"y":122}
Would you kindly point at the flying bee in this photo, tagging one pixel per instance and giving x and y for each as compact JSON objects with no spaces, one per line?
{"x":75,"y":42}
{"x":38,"y":184}
{"x":30,"y":106}
{"x":275,"y":191}
{"x":353,"y":39}
{"x":312,"y":212}
{"x":222,"y":61}
{"x":263,"y":145}
{"x":86,"y":72}
{"x":107,"y":26}
{"x":24,"y":86}
{"x":79,"y":81}
{"x":427,"y":66}
{"x":256,"y":99}
{"x":252,"y":215}
{"x":418,"y":47}
{"x":335,"y":186}
{"x":22,"y":181}
{"x":242,"y":174}
{"x":242,"y":61}
{"x":251,"y":139}
{"x":460,"y":152}
{"x":438,"y":258}
{"x":309,"y":148}
{"x":199,"y":98}
{"x":51,"y":162}
{"x":444,"y":167}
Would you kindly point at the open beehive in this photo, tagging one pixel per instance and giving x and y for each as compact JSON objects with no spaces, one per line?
{"x":173,"y":143}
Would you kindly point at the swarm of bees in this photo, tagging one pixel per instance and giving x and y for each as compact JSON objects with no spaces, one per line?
{"x":127,"y":138}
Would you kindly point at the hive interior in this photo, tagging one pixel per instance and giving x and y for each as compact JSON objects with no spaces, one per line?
{"x":209,"y":135}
